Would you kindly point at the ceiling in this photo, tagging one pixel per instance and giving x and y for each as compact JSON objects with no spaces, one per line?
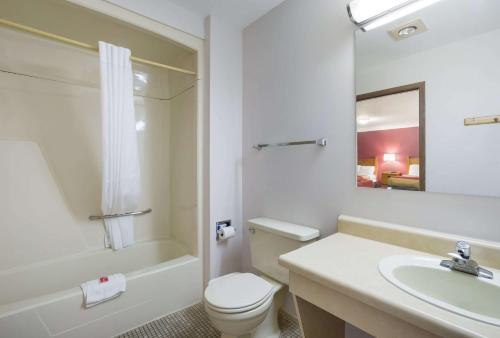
{"x":447,"y":21}
{"x":240,"y":13}
{"x":388,"y":112}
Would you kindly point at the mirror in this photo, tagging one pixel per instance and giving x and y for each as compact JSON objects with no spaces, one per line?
{"x":428,"y":100}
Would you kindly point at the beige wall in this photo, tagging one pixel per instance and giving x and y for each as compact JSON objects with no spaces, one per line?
{"x":78,"y":23}
{"x":183,"y":169}
{"x":50,"y":145}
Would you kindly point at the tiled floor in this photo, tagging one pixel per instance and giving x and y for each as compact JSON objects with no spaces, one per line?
{"x":193,"y":323}
{"x":289,"y":327}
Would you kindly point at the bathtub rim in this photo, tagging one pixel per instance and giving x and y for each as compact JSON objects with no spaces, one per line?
{"x":10,"y":309}
{"x":92,"y":252}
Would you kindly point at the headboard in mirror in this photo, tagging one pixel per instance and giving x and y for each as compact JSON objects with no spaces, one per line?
{"x":418,"y":78}
{"x":367,"y":170}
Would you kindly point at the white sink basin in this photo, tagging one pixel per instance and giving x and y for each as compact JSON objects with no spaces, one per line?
{"x":458,"y":292}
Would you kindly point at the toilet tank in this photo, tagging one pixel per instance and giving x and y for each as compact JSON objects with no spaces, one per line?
{"x":271,"y":238}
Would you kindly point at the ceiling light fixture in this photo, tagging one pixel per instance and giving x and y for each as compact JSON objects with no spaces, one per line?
{"x":407,"y":31}
{"x":370,"y":14}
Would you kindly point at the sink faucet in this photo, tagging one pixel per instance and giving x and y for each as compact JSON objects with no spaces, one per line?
{"x":460,"y":261}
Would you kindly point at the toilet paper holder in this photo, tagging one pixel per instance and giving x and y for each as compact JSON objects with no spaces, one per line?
{"x":219,"y":226}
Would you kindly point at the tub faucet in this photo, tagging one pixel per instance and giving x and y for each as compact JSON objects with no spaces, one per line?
{"x":460,"y":261}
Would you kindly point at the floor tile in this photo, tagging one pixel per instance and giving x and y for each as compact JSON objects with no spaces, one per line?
{"x":194,"y":323}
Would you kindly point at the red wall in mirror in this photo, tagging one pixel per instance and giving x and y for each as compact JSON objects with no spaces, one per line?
{"x":403,"y":142}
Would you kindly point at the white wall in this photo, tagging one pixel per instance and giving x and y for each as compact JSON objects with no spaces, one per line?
{"x":224,"y":47}
{"x":299,"y":84}
{"x":461,"y":82}
{"x":298,"y":73}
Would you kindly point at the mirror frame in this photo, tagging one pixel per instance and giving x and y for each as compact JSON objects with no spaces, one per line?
{"x":420,"y":86}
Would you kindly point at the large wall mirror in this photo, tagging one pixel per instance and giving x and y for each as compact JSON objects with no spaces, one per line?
{"x":428,"y":100}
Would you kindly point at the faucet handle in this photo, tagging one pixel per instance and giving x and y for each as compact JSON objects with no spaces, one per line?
{"x":463,"y":249}
{"x":457,"y":257}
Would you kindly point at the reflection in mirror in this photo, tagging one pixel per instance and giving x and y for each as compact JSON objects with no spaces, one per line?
{"x":428,"y":108}
{"x":391,"y":135}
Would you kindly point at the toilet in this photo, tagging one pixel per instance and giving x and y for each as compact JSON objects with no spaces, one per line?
{"x":245,"y":304}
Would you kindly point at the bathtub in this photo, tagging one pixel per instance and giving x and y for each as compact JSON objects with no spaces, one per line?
{"x":45,"y":300}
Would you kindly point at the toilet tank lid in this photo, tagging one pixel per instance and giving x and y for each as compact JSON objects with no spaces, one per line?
{"x":296,"y":232}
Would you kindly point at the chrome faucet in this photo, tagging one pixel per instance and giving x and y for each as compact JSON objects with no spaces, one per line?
{"x":460,"y":261}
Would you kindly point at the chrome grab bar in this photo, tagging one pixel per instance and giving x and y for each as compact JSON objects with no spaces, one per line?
{"x":320,"y":142}
{"x":135,"y":213}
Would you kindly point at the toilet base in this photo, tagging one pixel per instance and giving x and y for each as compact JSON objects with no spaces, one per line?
{"x":269,"y":328}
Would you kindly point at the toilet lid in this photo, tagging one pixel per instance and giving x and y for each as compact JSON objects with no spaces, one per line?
{"x":237,"y":291}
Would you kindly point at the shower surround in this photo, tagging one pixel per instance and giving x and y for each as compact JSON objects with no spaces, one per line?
{"x":50,"y":144}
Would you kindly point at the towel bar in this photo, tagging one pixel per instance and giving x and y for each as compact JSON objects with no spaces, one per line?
{"x":135,"y":213}
{"x":320,"y":142}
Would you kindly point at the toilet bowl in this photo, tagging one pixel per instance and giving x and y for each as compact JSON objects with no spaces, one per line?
{"x":247,"y":305}
{"x":244,"y":305}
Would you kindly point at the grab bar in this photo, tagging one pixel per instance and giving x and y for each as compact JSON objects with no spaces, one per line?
{"x":135,"y":213}
{"x":320,"y":142}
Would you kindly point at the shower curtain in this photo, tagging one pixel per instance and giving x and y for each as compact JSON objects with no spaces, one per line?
{"x":121,"y":173}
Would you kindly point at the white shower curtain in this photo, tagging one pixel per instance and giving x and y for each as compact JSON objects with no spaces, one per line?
{"x":121,"y":174}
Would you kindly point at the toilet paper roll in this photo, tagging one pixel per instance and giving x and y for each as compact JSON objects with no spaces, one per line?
{"x":226,"y":233}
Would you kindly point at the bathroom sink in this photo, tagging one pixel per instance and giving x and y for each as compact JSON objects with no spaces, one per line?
{"x":458,"y":292}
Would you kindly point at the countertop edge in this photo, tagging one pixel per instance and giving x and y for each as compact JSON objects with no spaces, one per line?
{"x":406,"y":313}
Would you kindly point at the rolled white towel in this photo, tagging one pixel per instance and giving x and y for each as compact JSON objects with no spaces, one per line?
{"x":103,"y":289}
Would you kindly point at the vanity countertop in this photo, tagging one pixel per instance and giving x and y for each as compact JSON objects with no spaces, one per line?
{"x":349,"y":265}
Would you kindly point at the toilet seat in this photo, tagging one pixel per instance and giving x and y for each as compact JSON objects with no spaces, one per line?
{"x":237,"y":293}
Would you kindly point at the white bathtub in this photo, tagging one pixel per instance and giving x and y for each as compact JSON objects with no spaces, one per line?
{"x":45,"y":300}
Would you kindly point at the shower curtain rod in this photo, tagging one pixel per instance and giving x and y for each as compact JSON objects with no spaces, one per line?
{"x":87,"y":46}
